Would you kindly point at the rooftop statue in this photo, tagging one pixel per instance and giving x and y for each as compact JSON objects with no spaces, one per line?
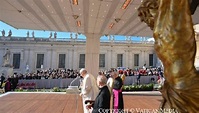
{"x":50,"y":35}
{"x":3,"y":33}
{"x":9,"y":33}
{"x":175,"y":46}
{"x":27,"y":33}
{"x":6,"y":58}
{"x":55,"y":35}
{"x":71,"y":35}
{"x":76,"y":36}
{"x":33,"y":34}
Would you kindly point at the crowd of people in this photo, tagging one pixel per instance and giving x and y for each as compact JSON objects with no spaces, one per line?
{"x":9,"y":84}
{"x":71,"y":73}
{"x":50,"y":74}
{"x":98,"y":100}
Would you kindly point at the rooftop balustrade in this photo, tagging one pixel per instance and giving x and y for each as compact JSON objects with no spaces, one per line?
{"x":42,"y":39}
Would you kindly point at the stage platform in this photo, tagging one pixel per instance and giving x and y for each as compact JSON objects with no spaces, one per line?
{"x":25,"y":102}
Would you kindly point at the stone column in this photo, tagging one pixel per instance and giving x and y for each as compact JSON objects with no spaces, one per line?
{"x":131,"y":60}
{"x":143,"y":57}
{"x":108,"y":61}
{"x":55,"y":59}
{"x":92,"y":53}
{"x":113,"y":59}
{"x":70,"y":58}
{"x":75,"y":59}
{"x":49,"y":58}
{"x":67,"y":59}
{"x":126,"y":57}
{"x":22,"y":60}
{"x":25,"y":60}
{"x":147,"y":52}
{"x":32,"y":60}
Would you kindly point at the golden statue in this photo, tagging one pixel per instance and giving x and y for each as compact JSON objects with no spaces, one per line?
{"x":175,"y":45}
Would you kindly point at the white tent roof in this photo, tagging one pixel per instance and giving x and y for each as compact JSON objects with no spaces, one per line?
{"x":61,"y":15}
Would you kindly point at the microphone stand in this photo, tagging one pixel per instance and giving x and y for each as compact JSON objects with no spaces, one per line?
{"x":74,"y":80}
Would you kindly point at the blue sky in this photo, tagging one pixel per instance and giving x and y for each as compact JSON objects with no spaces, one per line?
{"x":45,"y":34}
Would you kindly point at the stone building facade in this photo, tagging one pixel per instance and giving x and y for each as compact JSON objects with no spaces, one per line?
{"x":31,"y":54}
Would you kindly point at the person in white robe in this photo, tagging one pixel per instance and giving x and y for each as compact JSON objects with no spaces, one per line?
{"x":89,"y":89}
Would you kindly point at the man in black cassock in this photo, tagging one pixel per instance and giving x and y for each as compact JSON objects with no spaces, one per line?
{"x":102,"y":101}
{"x":118,"y":104}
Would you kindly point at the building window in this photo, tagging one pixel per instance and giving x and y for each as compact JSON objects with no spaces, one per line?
{"x":40,"y":60}
{"x":62,"y":58}
{"x":150,"y":59}
{"x":82,"y":61}
{"x":119,"y":60}
{"x":16,"y":61}
{"x":136,"y":59}
{"x":102,"y":60}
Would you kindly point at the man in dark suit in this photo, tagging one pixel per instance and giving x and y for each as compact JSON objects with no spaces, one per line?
{"x":193,"y":5}
{"x":102,"y":101}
